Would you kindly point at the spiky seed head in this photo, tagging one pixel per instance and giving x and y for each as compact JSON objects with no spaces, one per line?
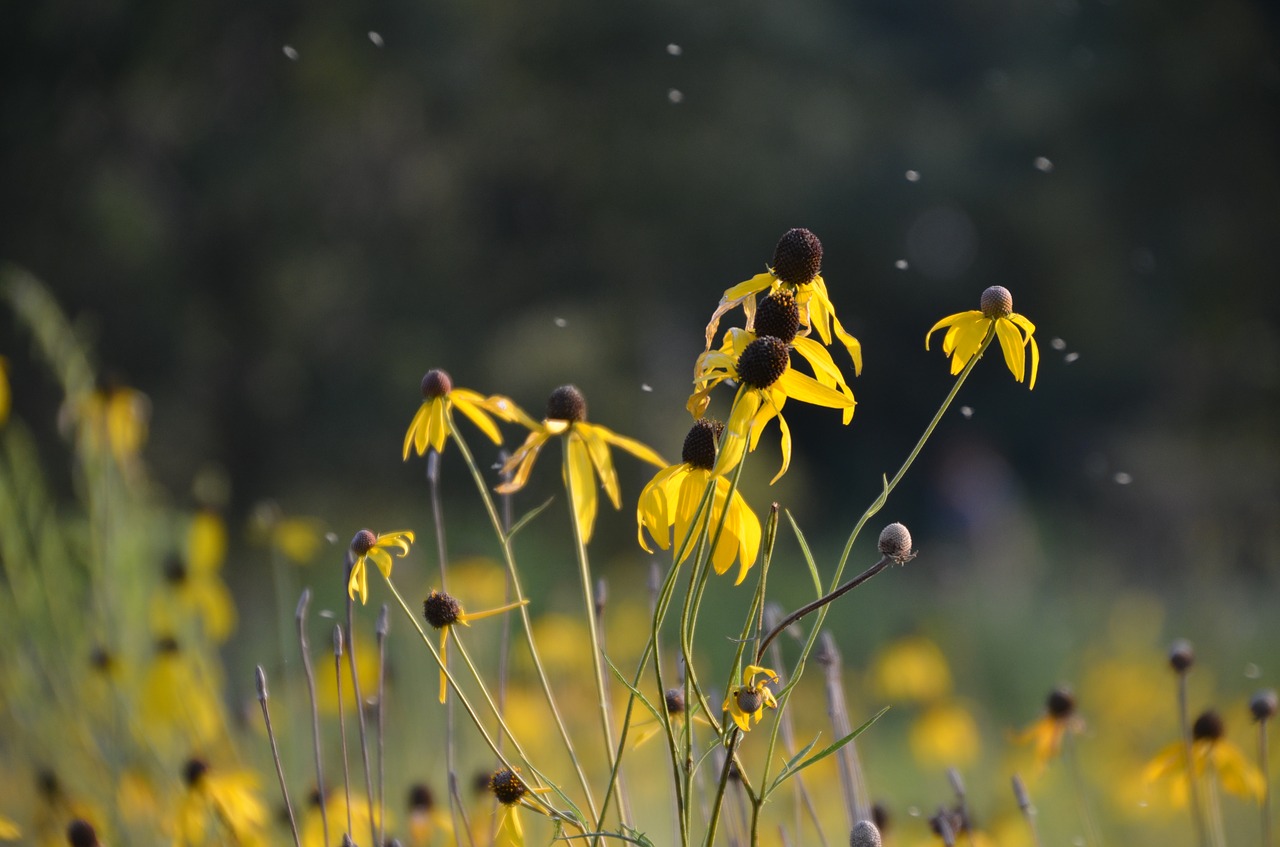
{"x":436,"y":383}
{"x":700,"y":443}
{"x":764,"y":361}
{"x":193,"y":771}
{"x":80,"y":833}
{"x":507,"y":787}
{"x":1208,"y":727}
{"x":675,"y":701}
{"x":749,"y":700}
{"x":566,"y":403}
{"x":798,"y":257}
{"x":363,"y":542}
{"x":420,"y":798}
{"x":1264,"y":705}
{"x":1061,"y":703}
{"x":895,"y":543}
{"x":778,"y":315}
{"x":865,"y":834}
{"x":1181,"y":655}
{"x":996,"y":302}
{"x":441,"y":609}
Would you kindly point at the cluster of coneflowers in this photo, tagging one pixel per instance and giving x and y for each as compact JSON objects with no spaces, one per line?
{"x":692,"y":510}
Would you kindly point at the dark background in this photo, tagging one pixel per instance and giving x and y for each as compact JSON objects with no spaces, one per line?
{"x":275,"y":249}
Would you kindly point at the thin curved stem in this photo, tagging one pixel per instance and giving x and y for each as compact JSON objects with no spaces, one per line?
{"x":508,"y":556}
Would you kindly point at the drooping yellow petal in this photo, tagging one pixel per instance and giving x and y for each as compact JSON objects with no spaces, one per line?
{"x":733,"y":297}
{"x":506,"y":408}
{"x":806,"y":389}
{"x":522,"y":461}
{"x":580,"y":480}
{"x":217,"y":609}
{"x":1029,"y":328}
{"x":415,"y":436}
{"x":1238,"y":775}
{"x":358,"y":583}
{"x":598,"y":449}
{"x":382,"y":559}
{"x":635,"y":448}
{"x":749,"y":535}
{"x":439,"y":427}
{"x":820,"y":310}
{"x":472,"y":405}
{"x":786,"y":449}
{"x":653,"y":509}
{"x":692,"y":488}
{"x":964,"y":339}
{"x":948,"y":321}
{"x":206,"y":543}
{"x":1011,"y":342}
{"x":444,"y":663}
{"x":400,"y":539}
{"x":737,"y":430}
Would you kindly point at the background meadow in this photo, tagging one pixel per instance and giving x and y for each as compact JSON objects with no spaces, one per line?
{"x":273,"y":221}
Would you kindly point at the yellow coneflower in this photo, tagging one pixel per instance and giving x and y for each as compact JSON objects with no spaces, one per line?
{"x":762,"y":368}
{"x":511,"y":793}
{"x":945,"y":734}
{"x":911,"y":669}
{"x":365,"y":546}
{"x":430,"y":426}
{"x":671,"y":499}
{"x":1046,"y":734}
{"x":195,"y":589}
{"x":747,"y":703}
{"x":967,"y":330}
{"x":426,"y":817}
{"x":443,"y":611}
{"x":9,"y":831}
{"x":588,"y":454}
{"x":676,"y":710}
{"x":362,"y":818}
{"x":112,"y":420}
{"x":796,"y":268}
{"x":1211,"y":753}
{"x":218,"y":802}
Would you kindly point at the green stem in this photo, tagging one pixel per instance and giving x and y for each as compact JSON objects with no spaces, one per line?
{"x":1193,"y":781}
{"x":508,"y":556}
{"x":588,"y":596}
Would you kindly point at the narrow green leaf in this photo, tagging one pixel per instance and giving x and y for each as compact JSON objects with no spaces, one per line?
{"x":808,"y":556}
{"x":526,"y":517}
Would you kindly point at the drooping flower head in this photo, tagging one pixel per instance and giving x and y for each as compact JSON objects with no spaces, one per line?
{"x":671,"y":500}
{"x":195,"y":589}
{"x":1046,"y":734}
{"x":746,"y":703}
{"x":432,"y":425}
{"x":761,"y":365}
{"x":588,"y":454}
{"x":442,"y":611}
{"x":966,"y":331}
{"x":1211,"y":753}
{"x":796,"y":268}
{"x":510,"y":791}
{"x":222,"y":799}
{"x":366,"y":546}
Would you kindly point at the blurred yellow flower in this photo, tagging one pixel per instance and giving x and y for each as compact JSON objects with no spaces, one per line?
{"x":179,"y":700}
{"x":1047,"y":733}
{"x":367,"y":546}
{"x":1212,"y":754}
{"x":195,"y":590}
{"x":796,"y":268}
{"x":911,"y":669}
{"x":746,"y":703}
{"x":114,"y":420}
{"x":671,"y":499}
{"x":426,"y":816}
{"x":967,"y":330}
{"x":9,"y":830}
{"x":442,"y":612}
{"x":217,"y":805}
{"x":366,"y":660}
{"x":430,"y":427}
{"x":945,"y":735}
{"x":588,"y":454}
